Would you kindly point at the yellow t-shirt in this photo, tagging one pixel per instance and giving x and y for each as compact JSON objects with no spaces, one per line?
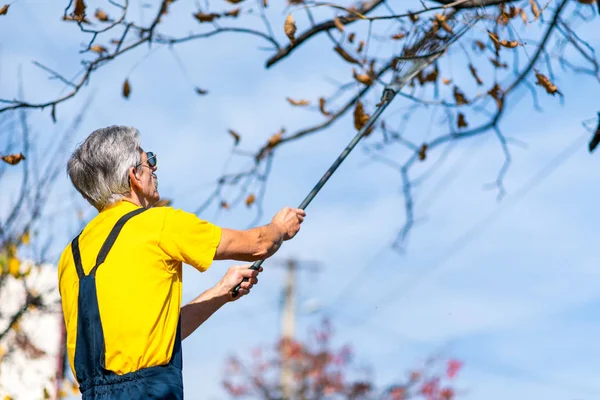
{"x":139,"y":285}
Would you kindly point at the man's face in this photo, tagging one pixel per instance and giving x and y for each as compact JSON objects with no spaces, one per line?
{"x":148,"y":179}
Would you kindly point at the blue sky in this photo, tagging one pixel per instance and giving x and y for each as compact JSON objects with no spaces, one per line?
{"x":513,"y":295}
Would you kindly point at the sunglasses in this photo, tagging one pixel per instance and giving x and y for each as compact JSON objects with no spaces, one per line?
{"x":151,"y":161}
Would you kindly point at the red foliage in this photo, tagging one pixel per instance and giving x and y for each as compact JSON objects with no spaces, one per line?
{"x":453,"y":367}
{"x":317,"y":370}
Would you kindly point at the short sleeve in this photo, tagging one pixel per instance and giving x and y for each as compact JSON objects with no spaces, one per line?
{"x":188,"y":239}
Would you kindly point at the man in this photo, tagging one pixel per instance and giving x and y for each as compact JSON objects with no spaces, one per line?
{"x":120,"y":280}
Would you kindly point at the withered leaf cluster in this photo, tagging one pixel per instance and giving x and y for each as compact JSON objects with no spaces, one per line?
{"x":126,"y":89}
{"x":297,"y":102}
{"x":544,"y":82}
{"x":13,"y":159}
{"x":322,"y":107}
{"x":459,"y":96}
{"x":497,"y":94}
{"x":289,"y":27}
{"x":423,"y":152}
{"x":275,"y":139}
{"x":461,"y":121}
{"x":101,"y":15}
{"x":344,"y":54}
{"x":361,"y":118}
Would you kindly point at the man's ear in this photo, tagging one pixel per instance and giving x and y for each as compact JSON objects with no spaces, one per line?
{"x":134,"y":180}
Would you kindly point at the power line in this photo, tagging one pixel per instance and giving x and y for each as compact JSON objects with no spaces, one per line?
{"x":462,"y":241}
{"x":452,"y":173}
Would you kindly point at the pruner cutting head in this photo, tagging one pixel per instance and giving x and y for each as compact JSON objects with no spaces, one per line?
{"x":426,"y":49}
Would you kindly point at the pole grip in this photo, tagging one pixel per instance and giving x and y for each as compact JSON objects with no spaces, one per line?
{"x":236,"y":290}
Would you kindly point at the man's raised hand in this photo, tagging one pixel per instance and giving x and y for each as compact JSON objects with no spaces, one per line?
{"x":288,"y":220}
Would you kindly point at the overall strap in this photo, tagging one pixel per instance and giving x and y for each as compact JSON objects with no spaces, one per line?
{"x":112,"y":236}
{"x":77,"y":257}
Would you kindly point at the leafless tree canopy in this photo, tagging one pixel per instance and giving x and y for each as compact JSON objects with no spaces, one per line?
{"x":511,"y":48}
{"x":27,"y":176}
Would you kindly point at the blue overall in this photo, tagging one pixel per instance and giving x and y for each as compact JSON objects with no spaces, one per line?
{"x":96,"y":382}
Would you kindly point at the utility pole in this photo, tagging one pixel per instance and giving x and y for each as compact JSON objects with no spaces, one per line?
{"x":288,"y":323}
{"x":287,"y":329}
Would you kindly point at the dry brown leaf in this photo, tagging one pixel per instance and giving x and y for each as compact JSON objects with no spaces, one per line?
{"x":233,"y":13}
{"x":351,"y":37}
{"x":498,"y":94}
{"x":98,"y":49}
{"x":462,"y":122}
{"x":250,"y":200}
{"x":101,"y":15}
{"x":535,"y":9}
{"x":126,"y":88}
{"x":163,"y":203}
{"x":496,"y":41}
{"x":76,"y":19}
{"x":202,"y":17}
{"x":543,"y":81}
{"x":430,"y":77}
{"x":474,"y":73}
{"x":234,"y":1}
{"x":498,"y":64}
{"x":435,"y":26}
{"x":236,"y":136}
{"x":201,"y":91}
{"x":289,"y":27}
{"x":505,"y":17}
{"x":345,"y":55}
{"x":224,"y":205}
{"x":13,"y":159}
{"x":480,"y":45}
{"x":399,"y":36}
{"x":322,"y":107}
{"x":275,"y":139}
{"x":265,"y":3}
{"x":360,"y":117}
{"x":372,"y":68}
{"x":4,"y":9}
{"x":116,"y":42}
{"x":423,"y":152}
{"x":361,"y":46}
{"x":441,"y":19}
{"x":413,"y":17}
{"x":79,"y":12}
{"x":523,"y":16}
{"x":297,"y":102}
{"x":459,"y":96}
{"x":338,"y":24}
{"x":511,"y":44}
{"x":446,"y":81}
{"x":366,"y":79}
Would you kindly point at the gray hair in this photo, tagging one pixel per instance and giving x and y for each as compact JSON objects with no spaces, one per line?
{"x":99,"y":167}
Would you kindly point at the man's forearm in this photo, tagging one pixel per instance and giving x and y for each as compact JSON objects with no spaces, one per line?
{"x":262,"y":242}
{"x":200,"y":309}
{"x":269,"y":239}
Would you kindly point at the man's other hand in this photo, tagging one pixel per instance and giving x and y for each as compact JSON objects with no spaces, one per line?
{"x":234,"y":276}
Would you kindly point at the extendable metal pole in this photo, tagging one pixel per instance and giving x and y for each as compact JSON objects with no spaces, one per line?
{"x":388,"y":95}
